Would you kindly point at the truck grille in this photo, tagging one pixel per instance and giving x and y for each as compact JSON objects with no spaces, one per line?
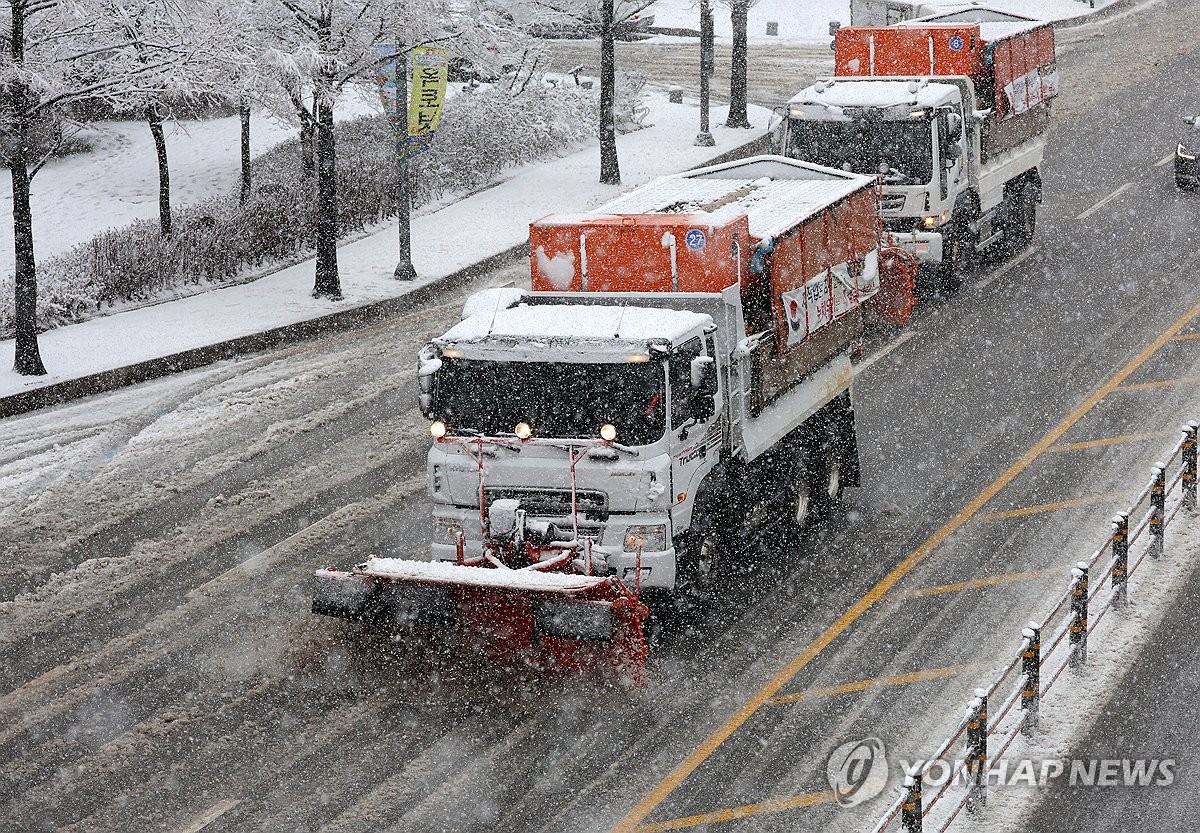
{"x":554,"y":503}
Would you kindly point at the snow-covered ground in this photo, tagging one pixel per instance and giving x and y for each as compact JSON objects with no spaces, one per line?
{"x":809,"y":20}
{"x":444,"y":241}
{"x":116,"y":182}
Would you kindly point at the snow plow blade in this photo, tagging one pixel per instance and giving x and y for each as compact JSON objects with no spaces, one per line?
{"x":546,"y":619}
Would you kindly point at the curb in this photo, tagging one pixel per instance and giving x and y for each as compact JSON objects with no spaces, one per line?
{"x":335,"y":323}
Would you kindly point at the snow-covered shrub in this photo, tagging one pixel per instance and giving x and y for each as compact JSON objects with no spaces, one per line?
{"x":482,"y":134}
{"x":629,"y":110}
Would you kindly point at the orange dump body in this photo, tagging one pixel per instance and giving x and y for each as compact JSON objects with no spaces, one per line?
{"x":636,"y":252}
{"x":1019,"y":64}
{"x":793,"y":292}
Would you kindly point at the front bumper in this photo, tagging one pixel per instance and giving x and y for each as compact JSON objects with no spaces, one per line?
{"x":658,"y":567}
{"x":926,"y":246}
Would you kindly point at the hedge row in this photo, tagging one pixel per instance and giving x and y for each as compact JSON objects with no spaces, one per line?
{"x":217,"y":240}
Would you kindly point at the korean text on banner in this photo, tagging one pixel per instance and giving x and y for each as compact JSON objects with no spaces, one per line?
{"x":429,"y":69}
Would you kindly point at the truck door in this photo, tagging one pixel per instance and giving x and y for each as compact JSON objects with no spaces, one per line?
{"x":695,"y":423}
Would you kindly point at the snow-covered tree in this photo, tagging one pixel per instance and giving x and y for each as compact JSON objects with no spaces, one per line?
{"x":739,"y":11}
{"x":57,"y":53}
{"x":331,"y":43}
{"x":188,"y":31}
{"x":601,"y":17}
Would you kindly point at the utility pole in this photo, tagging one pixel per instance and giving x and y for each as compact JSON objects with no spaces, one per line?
{"x":707,"y":61}
{"x":405,"y":271}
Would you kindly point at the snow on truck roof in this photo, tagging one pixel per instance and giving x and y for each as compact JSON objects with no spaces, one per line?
{"x":606,"y":328}
{"x":994,"y":25}
{"x":860,"y":91}
{"x":775,"y":193}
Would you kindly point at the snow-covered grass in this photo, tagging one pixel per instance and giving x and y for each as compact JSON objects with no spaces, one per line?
{"x":445,"y":240}
{"x":217,"y":239}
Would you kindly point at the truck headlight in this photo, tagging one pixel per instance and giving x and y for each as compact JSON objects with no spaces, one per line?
{"x":1184,"y":153}
{"x":934,"y":220}
{"x":437,"y":429}
{"x":608,"y":432}
{"x":651,"y":538}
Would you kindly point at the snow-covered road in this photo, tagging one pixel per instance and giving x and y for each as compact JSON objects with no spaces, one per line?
{"x":161,"y":670}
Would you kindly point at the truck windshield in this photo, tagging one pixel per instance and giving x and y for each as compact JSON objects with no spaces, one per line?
{"x":906,"y":147}
{"x":559,"y":400}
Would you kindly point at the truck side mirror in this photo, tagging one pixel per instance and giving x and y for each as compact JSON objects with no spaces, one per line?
{"x":704,"y":387}
{"x":428,"y":365}
{"x":954,"y":127}
{"x":951,"y":153}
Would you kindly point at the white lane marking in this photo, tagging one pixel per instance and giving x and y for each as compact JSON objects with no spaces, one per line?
{"x":863,"y":365}
{"x":1016,"y":261}
{"x":208,"y":817}
{"x":1168,"y":158}
{"x":1105,"y":201}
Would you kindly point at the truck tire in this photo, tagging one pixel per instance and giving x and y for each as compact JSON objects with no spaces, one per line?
{"x":699,"y":555}
{"x":959,"y":258}
{"x":836,"y":466}
{"x":1020,"y":220}
{"x":802,"y":495}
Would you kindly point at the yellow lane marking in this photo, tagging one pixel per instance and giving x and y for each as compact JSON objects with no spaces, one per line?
{"x":688,"y":765}
{"x":773,"y":805}
{"x":1161,"y":383}
{"x":1120,"y":440}
{"x":1187,"y":337}
{"x":879,"y":682}
{"x":1025,"y":511}
{"x":987,"y":581}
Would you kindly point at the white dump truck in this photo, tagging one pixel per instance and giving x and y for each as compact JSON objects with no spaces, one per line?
{"x":951,"y":112}
{"x":678,"y":376}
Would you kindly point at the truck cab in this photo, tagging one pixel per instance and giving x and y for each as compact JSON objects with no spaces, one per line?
{"x":597,"y":418}
{"x":918,"y":136}
{"x":951,"y":112}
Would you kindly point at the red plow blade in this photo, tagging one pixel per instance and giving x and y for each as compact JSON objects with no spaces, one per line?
{"x":547,"y":619}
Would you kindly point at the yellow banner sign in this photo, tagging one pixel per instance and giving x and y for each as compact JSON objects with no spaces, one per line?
{"x":428,"y":89}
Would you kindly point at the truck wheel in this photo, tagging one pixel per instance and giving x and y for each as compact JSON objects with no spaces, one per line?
{"x":959,"y":259}
{"x":1018,"y":221}
{"x":831,"y":478}
{"x":804,"y":502}
{"x":699,"y":559}
{"x":1024,"y":222}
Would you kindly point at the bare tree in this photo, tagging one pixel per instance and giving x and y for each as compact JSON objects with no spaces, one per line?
{"x":333,"y":43}
{"x":739,"y":11}
{"x":56,"y":54}
{"x":602,"y":19}
{"x":181,"y":29}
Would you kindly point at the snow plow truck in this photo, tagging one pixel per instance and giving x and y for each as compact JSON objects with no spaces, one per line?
{"x":678,"y":375}
{"x":952,"y":111}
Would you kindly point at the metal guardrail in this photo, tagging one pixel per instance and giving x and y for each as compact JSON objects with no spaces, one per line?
{"x":1029,"y":667}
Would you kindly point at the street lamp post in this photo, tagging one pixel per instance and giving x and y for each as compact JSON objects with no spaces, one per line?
{"x":705,"y":138}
